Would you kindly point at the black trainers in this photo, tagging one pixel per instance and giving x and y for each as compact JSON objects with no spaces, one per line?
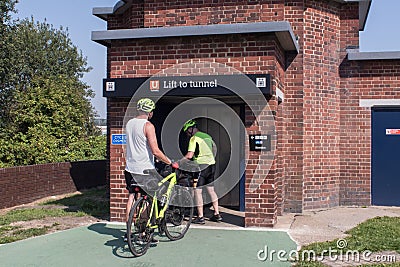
{"x":199,"y":220}
{"x":216,"y":218}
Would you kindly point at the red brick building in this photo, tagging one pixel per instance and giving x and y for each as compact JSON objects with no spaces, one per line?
{"x":323,"y":93}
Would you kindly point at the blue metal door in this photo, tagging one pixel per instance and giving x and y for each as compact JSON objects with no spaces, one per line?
{"x":386,"y":157}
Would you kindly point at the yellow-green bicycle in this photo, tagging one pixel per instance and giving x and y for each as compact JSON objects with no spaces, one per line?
{"x":169,"y":209}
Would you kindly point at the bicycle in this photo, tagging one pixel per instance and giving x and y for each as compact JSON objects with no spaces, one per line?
{"x":170,"y":209}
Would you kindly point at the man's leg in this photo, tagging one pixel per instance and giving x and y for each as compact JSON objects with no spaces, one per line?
{"x":131,"y":198}
{"x":128,"y":181}
{"x":129,"y":204}
{"x":214,"y":198}
{"x":199,"y":202}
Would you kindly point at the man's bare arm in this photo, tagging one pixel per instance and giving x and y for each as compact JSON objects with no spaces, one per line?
{"x":150,"y":133}
{"x":189,"y":155}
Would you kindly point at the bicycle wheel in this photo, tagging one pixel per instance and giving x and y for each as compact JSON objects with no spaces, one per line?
{"x":139,"y":236}
{"x":178,"y":218}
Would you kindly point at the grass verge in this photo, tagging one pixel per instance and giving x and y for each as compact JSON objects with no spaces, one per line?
{"x":375,"y":235}
{"x":93,"y":202}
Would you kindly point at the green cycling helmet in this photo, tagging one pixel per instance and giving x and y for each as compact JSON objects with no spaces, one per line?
{"x":188,"y":124}
{"x":146,"y":105}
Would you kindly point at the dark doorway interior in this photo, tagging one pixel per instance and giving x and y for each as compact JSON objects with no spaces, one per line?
{"x":235,"y":197}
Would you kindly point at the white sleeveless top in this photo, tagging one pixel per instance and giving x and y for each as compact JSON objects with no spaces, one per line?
{"x":138,"y":153}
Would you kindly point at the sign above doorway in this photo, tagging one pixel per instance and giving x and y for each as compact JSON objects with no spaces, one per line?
{"x":184,"y":85}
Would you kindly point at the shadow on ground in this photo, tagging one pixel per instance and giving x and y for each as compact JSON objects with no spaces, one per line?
{"x":116,"y":242}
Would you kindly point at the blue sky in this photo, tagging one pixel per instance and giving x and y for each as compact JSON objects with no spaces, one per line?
{"x":380,"y":34}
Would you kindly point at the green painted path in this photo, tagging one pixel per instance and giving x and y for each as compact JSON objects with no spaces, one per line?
{"x":101,"y":245}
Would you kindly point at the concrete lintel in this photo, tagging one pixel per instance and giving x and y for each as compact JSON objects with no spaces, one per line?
{"x":355,"y":54}
{"x":281,"y":29}
{"x":369,"y":103}
{"x":104,"y":12}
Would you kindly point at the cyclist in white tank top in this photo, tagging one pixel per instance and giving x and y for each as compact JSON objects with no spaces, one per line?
{"x":139,"y":156}
{"x":141,"y":148}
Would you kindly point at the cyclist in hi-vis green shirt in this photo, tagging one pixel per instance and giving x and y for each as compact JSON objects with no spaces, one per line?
{"x":202,"y":150}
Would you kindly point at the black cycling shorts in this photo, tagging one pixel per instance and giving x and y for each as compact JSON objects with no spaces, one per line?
{"x":131,"y":184}
{"x":206,"y":175}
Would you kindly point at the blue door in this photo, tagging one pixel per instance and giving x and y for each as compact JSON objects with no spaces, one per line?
{"x":386,"y":157}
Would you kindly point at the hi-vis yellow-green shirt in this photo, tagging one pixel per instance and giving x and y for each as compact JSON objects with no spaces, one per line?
{"x":204,"y":144}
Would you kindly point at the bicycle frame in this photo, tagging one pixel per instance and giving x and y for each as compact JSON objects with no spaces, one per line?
{"x":154,"y":206}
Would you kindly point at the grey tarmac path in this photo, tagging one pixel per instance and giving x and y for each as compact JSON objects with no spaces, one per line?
{"x":101,"y":244}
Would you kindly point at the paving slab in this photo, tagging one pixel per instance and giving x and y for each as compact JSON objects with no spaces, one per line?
{"x":328,"y":224}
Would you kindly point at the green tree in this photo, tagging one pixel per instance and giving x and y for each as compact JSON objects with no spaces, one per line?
{"x":49,"y":117}
{"x":6,"y":48}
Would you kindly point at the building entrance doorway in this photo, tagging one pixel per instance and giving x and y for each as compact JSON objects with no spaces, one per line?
{"x":385,"y":158}
{"x":225,"y":137}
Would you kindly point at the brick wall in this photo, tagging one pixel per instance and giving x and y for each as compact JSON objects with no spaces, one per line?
{"x":146,"y":57}
{"x":355,"y":122}
{"x":247,"y":53}
{"x":321,"y":107}
{"x":279,"y":155}
{"x":323,"y":143}
{"x":133,"y":17}
{"x":263,"y":192}
{"x":157,"y":13}
{"x":24,"y":184}
{"x":183,"y":12}
{"x":118,"y":194}
{"x":292,"y":121}
{"x":377,"y":79}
